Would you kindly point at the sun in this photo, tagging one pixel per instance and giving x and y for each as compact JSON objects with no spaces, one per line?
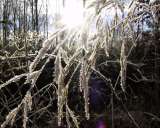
{"x":72,"y":13}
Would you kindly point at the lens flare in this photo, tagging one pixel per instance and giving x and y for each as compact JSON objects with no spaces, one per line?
{"x":101,"y":123}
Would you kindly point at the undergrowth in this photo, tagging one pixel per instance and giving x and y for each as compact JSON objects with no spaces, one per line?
{"x":80,"y":47}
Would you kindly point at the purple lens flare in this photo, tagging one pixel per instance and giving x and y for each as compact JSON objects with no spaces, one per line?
{"x":101,"y":123}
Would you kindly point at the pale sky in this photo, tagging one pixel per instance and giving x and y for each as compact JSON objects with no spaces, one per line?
{"x":72,"y":14}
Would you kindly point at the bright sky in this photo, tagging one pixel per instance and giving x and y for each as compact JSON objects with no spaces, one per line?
{"x":72,"y":14}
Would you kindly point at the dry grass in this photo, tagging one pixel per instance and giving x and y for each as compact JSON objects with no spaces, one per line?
{"x":80,"y":45}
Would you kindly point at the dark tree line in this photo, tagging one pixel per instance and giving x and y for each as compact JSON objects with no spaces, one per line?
{"x":20,"y":16}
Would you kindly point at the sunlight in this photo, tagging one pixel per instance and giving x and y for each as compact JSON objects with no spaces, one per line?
{"x":72,"y":14}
